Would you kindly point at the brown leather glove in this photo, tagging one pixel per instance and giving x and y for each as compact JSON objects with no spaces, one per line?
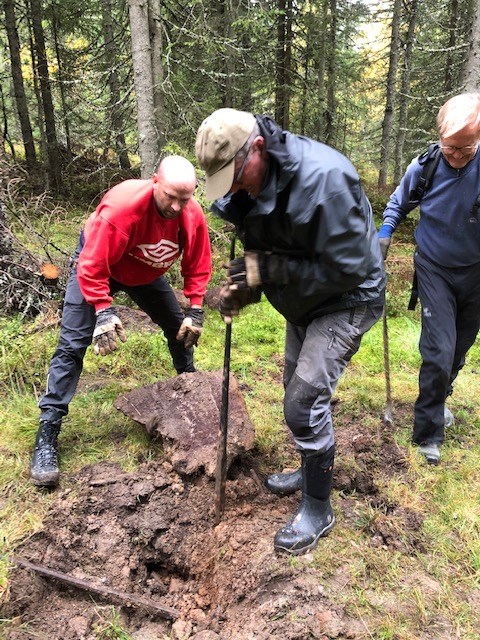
{"x":231,"y":301}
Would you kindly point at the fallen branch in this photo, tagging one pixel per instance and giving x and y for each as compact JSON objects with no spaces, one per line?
{"x":127,"y":599}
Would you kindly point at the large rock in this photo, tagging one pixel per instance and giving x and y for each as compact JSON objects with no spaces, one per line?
{"x":185,"y":413}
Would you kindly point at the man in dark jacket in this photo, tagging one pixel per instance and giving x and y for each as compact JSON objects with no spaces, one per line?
{"x":447,"y":262}
{"x":311,"y":247}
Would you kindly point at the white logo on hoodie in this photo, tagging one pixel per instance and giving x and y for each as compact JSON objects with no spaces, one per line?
{"x":160,"y":255}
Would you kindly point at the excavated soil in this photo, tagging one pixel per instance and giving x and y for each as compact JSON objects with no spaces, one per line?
{"x":150,"y":533}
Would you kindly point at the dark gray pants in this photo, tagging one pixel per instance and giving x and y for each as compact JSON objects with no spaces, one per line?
{"x":315,"y":359}
{"x":450,"y":322}
{"x":78,"y":322}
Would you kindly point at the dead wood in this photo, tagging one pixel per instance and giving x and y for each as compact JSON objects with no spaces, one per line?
{"x":126,"y":599}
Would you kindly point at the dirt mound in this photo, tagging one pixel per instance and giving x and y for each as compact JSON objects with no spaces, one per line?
{"x":150,"y":533}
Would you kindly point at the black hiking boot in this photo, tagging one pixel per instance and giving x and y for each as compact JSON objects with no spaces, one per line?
{"x":314,"y":517}
{"x":284,"y":484}
{"x":44,"y":471}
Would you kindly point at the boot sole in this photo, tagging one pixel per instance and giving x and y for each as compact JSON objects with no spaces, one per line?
{"x":312,"y":545}
{"x":47,"y":481}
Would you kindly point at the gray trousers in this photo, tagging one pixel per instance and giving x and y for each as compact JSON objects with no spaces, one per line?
{"x":315,"y":358}
{"x":78,"y":322}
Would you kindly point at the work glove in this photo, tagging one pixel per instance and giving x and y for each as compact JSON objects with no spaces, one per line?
{"x":191,"y":328}
{"x":232,"y":300}
{"x":384,"y":245}
{"x":107,"y":328}
{"x":255,"y":268}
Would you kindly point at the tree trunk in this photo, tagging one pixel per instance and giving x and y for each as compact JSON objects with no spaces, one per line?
{"x":321,"y":63}
{"x":115,"y":107}
{"x":148,"y":147}
{"x":156,"y":39}
{"x":227,"y":17}
{"x":390,"y":95}
{"x":280,"y":97}
{"x":283,"y":63}
{"x":448,"y":83}
{"x":61,"y":83}
{"x":472,"y":79}
{"x":53,"y":155}
{"x":17,"y":77}
{"x":38,"y":98}
{"x":306,"y":67}
{"x":330,"y":111}
{"x":5,"y":138}
{"x":405,"y":91}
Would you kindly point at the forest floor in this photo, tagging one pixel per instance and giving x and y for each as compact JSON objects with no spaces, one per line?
{"x":401,"y":562}
{"x":151,"y":533}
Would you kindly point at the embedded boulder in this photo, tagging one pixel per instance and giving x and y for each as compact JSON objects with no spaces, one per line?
{"x":184,"y":412}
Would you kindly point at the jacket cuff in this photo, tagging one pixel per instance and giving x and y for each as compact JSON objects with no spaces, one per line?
{"x":196,"y":300}
{"x":385,"y":231}
{"x":100,"y":306}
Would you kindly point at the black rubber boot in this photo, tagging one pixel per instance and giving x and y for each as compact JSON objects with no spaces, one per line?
{"x":44,"y":471}
{"x":285,"y":484}
{"x":314,"y":517}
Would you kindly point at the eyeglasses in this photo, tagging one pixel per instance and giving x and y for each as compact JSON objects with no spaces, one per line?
{"x":238,"y":176}
{"x":450,"y":149}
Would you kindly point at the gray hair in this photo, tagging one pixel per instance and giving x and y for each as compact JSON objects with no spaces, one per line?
{"x":457,"y":113}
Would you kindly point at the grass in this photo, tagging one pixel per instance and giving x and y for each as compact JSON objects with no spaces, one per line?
{"x":393,"y":595}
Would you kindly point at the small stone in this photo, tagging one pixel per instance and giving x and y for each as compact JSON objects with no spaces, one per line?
{"x":197,"y":615}
{"x":176,"y":585}
{"x":181,"y":629}
{"x":79,"y":626}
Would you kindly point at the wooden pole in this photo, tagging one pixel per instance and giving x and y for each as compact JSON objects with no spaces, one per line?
{"x":121,"y":597}
{"x":387,"y":416}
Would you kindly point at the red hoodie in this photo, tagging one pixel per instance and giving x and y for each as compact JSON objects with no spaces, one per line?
{"x":127,"y":239}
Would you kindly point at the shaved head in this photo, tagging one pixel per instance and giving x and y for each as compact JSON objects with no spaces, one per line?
{"x":173,"y":186}
{"x":176,"y":169}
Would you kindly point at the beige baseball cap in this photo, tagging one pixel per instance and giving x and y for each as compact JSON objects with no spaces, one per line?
{"x":219,"y":138}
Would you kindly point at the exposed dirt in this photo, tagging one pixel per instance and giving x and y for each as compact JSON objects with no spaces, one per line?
{"x":151,"y":533}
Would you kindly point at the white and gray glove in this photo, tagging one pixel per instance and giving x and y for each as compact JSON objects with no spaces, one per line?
{"x":191,"y":328}
{"x":107,"y":328}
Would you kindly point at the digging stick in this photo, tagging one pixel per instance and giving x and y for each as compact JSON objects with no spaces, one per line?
{"x":123,"y":598}
{"x":387,"y":416}
{"x":221,"y":471}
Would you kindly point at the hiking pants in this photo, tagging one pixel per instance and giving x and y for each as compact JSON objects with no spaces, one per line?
{"x":450,"y":300}
{"x":78,"y":322}
{"x":315,"y":358}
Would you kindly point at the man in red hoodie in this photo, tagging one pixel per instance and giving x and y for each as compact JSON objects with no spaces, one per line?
{"x":139,"y":229}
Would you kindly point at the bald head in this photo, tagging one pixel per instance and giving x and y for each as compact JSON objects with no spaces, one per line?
{"x":173,"y":185}
{"x":175,"y":169}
